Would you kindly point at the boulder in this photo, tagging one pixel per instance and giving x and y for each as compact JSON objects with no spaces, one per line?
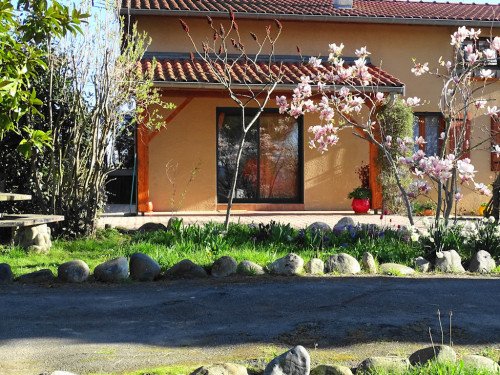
{"x":35,"y":238}
{"x":248,"y":268}
{"x":319,"y":227}
{"x":221,"y":369}
{"x":482,"y":262}
{"x":75,"y":271}
{"x":143,"y":267}
{"x":315,"y":266}
{"x":342,"y":263}
{"x":437,"y":353}
{"x":151,"y":227}
{"x":41,"y":276}
{"x":112,"y":271}
{"x":171,"y":221}
{"x":290,"y":264}
{"x":343,"y":223}
{"x":449,"y":261}
{"x":396,"y":269}
{"x":296,"y":361}
{"x":185,"y":269}
{"x":368,"y":263}
{"x":480,"y":364}
{"x":384,"y":365}
{"x":6,"y":275}
{"x":331,"y":370}
{"x":422,"y":264}
{"x":224,"y":266}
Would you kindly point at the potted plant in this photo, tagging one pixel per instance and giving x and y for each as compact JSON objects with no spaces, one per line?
{"x":360,"y":199}
{"x":482,"y":207}
{"x":424,"y":208}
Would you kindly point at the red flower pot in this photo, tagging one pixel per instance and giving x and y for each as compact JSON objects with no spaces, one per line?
{"x":360,"y":206}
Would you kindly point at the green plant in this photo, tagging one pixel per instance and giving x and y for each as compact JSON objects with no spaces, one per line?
{"x":360,"y":193}
{"x":419,"y":207}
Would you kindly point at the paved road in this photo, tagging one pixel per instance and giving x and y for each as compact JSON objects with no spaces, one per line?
{"x":110,"y":328}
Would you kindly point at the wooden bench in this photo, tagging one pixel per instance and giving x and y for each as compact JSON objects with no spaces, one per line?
{"x":29,"y":231}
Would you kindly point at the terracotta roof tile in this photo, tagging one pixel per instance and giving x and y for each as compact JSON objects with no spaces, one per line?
{"x":405,"y":9}
{"x":181,"y":69}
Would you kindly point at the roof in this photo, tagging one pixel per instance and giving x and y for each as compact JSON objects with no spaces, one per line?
{"x":179,"y":70}
{"x":377,"y":11}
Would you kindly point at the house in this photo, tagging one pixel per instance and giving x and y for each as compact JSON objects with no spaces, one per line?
{"x":185,"y":165}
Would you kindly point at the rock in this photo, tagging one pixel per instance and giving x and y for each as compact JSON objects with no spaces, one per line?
{"x":384,"y":365}
{"x":296,"y":361}
{"x":315,"y":266}
{"x":6,"y":275}
{"x":343,"y":223}
{"x":185,"y":269}
{"x":331,"y":370}
{"x":291,"y":264}
{"x":112,"y":271}
{"x":151,"y":227}
{"x":438,"y":353}
{"x":396,"y":269}
{"x":171,"y":222}
{"x":143,"y":267}
{"x":449,"y":261}
{"x":41,"y":276}
{"x":221,"y":369}
{"x":422,"y":264}
{"x":319,"y":227}
{"x":343,"y":264}
{"x":480,"y":364}
{"x":482,"y":262}
{"x":35,"y":238}
{"x":75,"y":271}
{"x":368,"y":263}
{"x":224,"y":266}
{"x":250,"y":268}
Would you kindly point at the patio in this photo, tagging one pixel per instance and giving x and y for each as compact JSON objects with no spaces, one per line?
{"x":124,"y":216}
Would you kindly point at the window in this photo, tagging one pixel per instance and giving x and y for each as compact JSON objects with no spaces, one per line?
{"x":429,"y":126}
{"x":493,"y":63}
{"x":271,"y":167}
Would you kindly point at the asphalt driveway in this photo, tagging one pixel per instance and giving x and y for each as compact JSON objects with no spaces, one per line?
{"x":110,"y":328}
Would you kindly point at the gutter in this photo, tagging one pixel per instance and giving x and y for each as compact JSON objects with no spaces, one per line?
{"x":286,"y":86}
{"x":315,"y":18}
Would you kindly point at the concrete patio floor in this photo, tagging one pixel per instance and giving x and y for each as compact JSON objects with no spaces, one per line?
{"x":120,"y":216}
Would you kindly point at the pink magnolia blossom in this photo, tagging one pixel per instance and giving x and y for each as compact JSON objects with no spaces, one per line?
{"x":496,"y":150}
{"x":485,"y":73}
{"x":490,"y":54}
{"x":420,"y":69}
{"x":472,"y":58}
{"x":458,"y":196}
{"x":495,"y":43}
{"x":388,"y":141}
{"x":314,"y":62}
{"x":413,"y":102}
{"x":480,"y":103}
{"x":336,"y":49}
{"x":419,"y":141}
{"x":459,"y":36}
{"x":379,"y":96}
{"x":465,"y":170}
{"x":282,"y":103}
{"x":362,"y":52}
{"x":469,"y":48}
{"x":482,"y":189}
{"x":492,"y":111}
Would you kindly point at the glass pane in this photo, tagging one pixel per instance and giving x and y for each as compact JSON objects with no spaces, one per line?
{"x":279,"y":156}
{"x":230,"y":130}
{"x":431,"y":135}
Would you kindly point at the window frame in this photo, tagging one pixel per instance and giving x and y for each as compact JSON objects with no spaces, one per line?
{"x":421,"y":128}
{"x":300,"y":178}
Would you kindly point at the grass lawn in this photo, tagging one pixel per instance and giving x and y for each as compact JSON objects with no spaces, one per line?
{"x":204,"y":244}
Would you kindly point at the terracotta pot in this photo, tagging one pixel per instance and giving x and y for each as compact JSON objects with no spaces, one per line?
{"x":360,"y":206}
{"x":481,"y":210}
{"x":428,"y":212}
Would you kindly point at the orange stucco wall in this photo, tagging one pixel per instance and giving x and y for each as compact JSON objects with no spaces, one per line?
{"x":189,"y":141}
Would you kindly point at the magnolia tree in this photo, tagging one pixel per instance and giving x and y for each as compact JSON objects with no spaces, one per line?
{"x":227,"y":58}
{"x":340,"y":91}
